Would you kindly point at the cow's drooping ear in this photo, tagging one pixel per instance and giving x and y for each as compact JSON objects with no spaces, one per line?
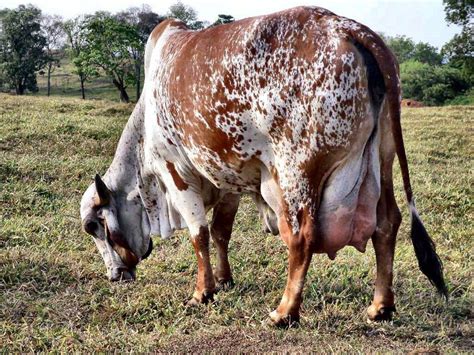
{"x":102,"y":197}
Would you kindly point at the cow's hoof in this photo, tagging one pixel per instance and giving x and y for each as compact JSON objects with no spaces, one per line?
{"x":224,"y":285}
{"x":283,"y":321}
{"x":380,"y":314}
{"x":203,"y":298}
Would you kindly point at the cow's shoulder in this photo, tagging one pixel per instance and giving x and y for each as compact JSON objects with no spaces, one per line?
{"x":157,"y":33}
{"x":163,"y":26}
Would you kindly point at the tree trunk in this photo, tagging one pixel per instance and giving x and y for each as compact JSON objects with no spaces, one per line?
{"x":137,"y":74}
{"x":19,"y":88}
{"x":49,"y":78}
{"x":123,"y":93}
{"x":83,"y":93}
{"x":124,"y":96}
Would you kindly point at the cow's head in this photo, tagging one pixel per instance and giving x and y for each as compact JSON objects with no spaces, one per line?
{"x":120,"y":227}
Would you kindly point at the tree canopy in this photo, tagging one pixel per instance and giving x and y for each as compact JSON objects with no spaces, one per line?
{"x":53,"y":31}
{"x":77,"y":45}
{"x":22,"y":46}
{"x":186,"y":14}
{"x":459,"y":51}
{"x":222,"y":19}
{"x":406,"y":49}
{"x":432,"y":85}
{"x":459,"y":12}
{"x":113,"y":45}
{"x":109,"y":43}
{"x":144,"y":20}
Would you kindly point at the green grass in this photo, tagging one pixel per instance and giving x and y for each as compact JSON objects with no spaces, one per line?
{"x":54,"y":294}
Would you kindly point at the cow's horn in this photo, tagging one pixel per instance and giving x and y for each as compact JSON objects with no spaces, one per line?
{"x":102,"y":197}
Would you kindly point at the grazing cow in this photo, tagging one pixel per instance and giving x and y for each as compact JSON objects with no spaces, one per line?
{"x":301,"y":109}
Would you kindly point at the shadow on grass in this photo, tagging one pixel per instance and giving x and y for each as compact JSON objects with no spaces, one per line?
{"x":35,"y":277}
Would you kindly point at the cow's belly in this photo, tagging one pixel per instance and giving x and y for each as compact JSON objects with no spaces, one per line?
{"x":347,"y":215}
{"x":236,"y":175}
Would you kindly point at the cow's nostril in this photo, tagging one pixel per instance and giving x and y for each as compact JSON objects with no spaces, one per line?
{"x":127,"y":275}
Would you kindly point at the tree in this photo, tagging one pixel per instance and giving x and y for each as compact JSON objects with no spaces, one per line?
{"x":426,"y":53}
{"x":21,"y":47}
{"x":222,"y":19}
{"x":406,"y":49}
{"x":3,"y":81}
{"x":144,"y":20}
{"x":75,"y":33}
{"x":432,"y":85}
{"x":459,"y":12}
{"x":186,"y":14}
{"x":53,"y":31}
{"x":402,"y":46}
{"x":460,"y":50}
{"x":109,"y":44}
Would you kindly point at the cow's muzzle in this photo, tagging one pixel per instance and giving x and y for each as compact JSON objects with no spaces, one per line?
{"x":121,"y":247}
{"x":121,"y":274}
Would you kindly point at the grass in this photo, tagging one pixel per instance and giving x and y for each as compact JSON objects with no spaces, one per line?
{"x":55,"y":296}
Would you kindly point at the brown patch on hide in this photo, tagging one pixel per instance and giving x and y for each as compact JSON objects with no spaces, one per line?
{"x":178,"y":180}
{"x":121,"y":247}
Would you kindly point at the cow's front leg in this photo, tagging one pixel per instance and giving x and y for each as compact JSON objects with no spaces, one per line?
{"x":189,"y":203}
{"x":221,"y":229}
{"x":205,"y":285}
{"x":299,"y":258}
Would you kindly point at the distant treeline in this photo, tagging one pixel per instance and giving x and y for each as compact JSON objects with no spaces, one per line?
{"x":100,"y":44}
{"x":436,"y":77}
{"x":112,"y":46}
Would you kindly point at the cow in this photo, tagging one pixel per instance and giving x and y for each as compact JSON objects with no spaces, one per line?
{"x":300,"y":109}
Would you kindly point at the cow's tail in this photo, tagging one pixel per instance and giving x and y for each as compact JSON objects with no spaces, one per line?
{"x":425,"y":250}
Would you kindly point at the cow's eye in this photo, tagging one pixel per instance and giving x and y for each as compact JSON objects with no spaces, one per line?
{"x":91,"y":227}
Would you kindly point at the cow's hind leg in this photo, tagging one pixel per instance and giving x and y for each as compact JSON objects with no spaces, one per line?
{"x":299,"y":257}
{"x":388,"y":221}
{"x":221,"y":229}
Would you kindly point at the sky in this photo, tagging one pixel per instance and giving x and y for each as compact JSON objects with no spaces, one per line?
{"x":422,"y":20}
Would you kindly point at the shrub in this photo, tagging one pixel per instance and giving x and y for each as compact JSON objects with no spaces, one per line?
{"x":433,"y":85}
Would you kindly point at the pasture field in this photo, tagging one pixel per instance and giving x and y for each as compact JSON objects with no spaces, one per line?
{"x":66,"y":84}
{"x":54,"y":294}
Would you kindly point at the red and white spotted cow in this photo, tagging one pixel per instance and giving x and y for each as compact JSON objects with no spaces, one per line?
{"x":300,"y":108}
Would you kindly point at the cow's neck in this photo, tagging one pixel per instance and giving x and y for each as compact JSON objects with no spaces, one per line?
{"x":122,"y":173}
